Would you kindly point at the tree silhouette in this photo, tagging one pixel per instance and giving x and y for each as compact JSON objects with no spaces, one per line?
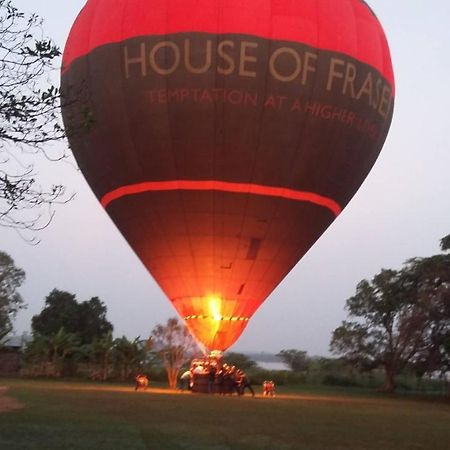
{"x":174,"y":345}
{"x":29,"y":120}
{"x":11,"y":278}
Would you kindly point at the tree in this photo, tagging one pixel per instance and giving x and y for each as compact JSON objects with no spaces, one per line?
{"x":402,"y":319}
{"x":393,"y":319}
{"x":129,"y":356}
{"x":99,"y":353}
{"x":29,"y":119}
{"x":240,"y":360}
{"x":445,"y":243}
{"x":61,"y":345}
{"x":175,"y":346}
{"x":431,"y":278}
{"x":61,"y":310}
{"x":36,"y":356}
{"x":11,"y":278}
{"x":47,"y":355}
{"x":92,"y":321}
{"x":297,"y":360}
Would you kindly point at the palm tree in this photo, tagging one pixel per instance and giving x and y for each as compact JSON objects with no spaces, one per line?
{"x":129,"y":356}
{"x":61,"y":345}
{"x":36,"y":355}
{"x":99,"y":353}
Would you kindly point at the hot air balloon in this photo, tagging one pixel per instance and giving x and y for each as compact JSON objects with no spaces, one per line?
{"x":224,"y":137}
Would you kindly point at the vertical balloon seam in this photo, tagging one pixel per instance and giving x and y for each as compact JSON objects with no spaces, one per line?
{"x":175,"y":167}
{"x":257,"y":146}
{"x":214,"y":113}
{"x":239,"y":243}
{"x":295,"y":153}
{"x":356,"y":33}
{"x":134,"y":147}
{"x":306,"y":121}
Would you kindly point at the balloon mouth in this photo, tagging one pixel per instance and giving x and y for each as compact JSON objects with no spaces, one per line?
{"x":211,"y":307}
{"x":218,"y":319}
{"x":212,"y":320}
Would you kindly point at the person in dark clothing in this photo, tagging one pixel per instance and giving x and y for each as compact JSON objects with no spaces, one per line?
{"x":211,"y":379}
{"x":244,"y":383}
{"x":219,"y":381}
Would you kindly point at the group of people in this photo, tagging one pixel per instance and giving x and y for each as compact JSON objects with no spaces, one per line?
{"x":213,"y":378}
{"x":269,"y":388}
{"x":235,"y":379}
{"x":210,"y":375}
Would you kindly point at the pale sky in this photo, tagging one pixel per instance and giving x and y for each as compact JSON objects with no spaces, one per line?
{"x":402,"y":210}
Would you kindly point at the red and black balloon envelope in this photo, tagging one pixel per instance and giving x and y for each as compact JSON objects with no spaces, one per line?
{"x":223,"y":137}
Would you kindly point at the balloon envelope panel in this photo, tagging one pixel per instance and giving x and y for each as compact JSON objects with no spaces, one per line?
{"x":223,"y":138}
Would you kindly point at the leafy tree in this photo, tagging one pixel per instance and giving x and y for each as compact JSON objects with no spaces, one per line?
{"x":36,"y":356}
{"x":240,"y":360}
{"x":47,"y":355}
{"x":129,"y":356}
{"x":297,"y":360}
{"x":320,"y":366}
{"x":61,"y":345}
{"x":29,"y":118}
{"x":92,"y":321}
{"x":61,"y":310}
{"x":174,"y":345}
{"x":99,"y":353}
{"x":402,"y":319}
{"x":445,"y":243}
{"x":431,"y":278}
{"x":11,"y":278}
{"x":394,"y":321}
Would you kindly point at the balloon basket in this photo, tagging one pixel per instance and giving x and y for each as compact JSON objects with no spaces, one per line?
{"x":201,"y":385}
{"x":206,"y":375}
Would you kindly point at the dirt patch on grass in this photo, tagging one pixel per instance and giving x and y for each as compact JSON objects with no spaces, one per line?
{"x":8,"y":404}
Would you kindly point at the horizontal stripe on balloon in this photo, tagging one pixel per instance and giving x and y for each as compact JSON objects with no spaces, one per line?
{"x":222,"y":186}
{"x":348,"y":27}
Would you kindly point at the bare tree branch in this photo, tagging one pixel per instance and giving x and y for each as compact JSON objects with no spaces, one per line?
{"x":29,"y":120}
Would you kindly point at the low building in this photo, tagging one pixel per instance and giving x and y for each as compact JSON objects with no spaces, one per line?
{"x":10,"y":355}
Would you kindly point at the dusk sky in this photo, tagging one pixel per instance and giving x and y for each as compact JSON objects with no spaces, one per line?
{"x":401,"y":211}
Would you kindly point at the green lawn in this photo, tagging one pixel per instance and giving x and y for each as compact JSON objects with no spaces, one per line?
{"x":67,"y":416}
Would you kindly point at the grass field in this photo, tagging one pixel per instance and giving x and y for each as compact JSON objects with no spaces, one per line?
{"x":72,"y":416}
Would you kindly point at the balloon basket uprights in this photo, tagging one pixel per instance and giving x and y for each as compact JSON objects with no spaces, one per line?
{"x":203,"y":373}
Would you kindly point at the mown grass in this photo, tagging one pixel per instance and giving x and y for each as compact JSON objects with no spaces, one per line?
{"x":73,"y":416}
